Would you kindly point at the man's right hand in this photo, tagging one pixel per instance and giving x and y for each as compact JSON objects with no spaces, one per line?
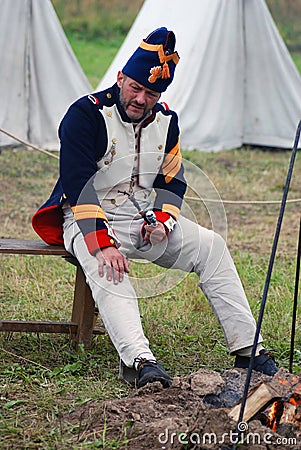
{"x":116,"y":264}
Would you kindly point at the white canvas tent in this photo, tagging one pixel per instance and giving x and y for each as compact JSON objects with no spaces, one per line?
{"x":39,"y":74}
{"x":235,"y":83}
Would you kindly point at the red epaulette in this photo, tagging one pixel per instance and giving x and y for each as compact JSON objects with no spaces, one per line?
{"x":93,"y":99}
{"x":165,"y":105}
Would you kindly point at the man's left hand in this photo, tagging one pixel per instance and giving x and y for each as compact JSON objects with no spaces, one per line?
{"x":155,"y":235}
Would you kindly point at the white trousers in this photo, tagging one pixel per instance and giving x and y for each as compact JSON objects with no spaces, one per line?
{"x":189,"y":247}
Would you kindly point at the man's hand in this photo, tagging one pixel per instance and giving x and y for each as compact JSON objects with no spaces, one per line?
{"x":115,"y":262}
{"x":155,"y":235}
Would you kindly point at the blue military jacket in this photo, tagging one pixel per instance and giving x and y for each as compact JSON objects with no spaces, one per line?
{"x":85,"y":141}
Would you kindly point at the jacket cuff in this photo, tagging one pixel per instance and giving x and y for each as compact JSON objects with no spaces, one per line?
{"x":97,"y":240}
{"x":168,"y":221}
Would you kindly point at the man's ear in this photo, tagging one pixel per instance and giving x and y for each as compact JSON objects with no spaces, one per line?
{"x":120,"y":77}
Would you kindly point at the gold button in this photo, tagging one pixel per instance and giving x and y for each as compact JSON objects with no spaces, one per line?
{"x":109,"y":95}
{"x":159,"y":157}
{"x":109,"y":114}
{"x":114,"y":141}
{"x":106,"y":162}
{"x":158,"y":119}
{"x":113,"y":152}
{"x":136,"y":157}
{"x":112,"y":241}
{"x":113,"y":201}
{"x":160,"y":147}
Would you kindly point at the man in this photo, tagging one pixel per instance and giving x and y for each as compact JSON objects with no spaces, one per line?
{"x":117,"y":146}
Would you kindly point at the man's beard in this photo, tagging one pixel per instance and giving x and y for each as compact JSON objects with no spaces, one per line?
{"x":132,"y":116}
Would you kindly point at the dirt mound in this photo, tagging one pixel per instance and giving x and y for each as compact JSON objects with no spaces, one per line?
{"x":186,"y":416}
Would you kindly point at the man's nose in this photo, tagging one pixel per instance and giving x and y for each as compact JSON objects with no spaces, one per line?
{"x":140,"y":97}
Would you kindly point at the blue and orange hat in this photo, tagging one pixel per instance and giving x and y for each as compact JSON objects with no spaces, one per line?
{"x":153,"y":63}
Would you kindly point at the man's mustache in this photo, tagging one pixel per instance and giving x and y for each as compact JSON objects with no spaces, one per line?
{"x":135,"y":103}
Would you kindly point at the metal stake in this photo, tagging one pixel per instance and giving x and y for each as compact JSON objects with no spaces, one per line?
{"x":268,"y":279}
{"x":297,"y":277}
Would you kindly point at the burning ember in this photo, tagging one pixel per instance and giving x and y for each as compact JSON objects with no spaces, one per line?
{"x":295,"y":399}
{"x":272,"y":415}
{"x":283,"y":410}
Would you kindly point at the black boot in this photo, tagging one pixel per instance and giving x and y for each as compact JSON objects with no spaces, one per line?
{"x":264,"y":363}
{"x":150,"y":371}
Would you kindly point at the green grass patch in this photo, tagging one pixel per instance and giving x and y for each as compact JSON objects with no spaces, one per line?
{"x":95,"y":55}
{"x":97,"y":18}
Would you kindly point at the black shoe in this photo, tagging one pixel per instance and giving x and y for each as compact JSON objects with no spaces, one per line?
{"x":150,"y":371}
{"x":264,"y":363}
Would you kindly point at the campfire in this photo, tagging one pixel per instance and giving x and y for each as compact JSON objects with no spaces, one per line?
{"x":275,"y":404}
{"x":282,"y":411}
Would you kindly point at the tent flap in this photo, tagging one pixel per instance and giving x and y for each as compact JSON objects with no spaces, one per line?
{"x":39,"y":74}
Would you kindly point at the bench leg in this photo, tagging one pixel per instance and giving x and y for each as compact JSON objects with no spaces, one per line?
{"x":83,"y":311}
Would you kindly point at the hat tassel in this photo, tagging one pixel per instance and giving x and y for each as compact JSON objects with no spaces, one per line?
{"x":165,"y":71}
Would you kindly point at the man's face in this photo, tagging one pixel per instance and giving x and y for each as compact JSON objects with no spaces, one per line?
{"x":135,"y":99}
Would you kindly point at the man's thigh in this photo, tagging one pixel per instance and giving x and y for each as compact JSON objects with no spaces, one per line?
{"x":186,"y":245}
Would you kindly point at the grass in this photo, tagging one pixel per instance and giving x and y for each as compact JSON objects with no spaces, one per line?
{"x":95,"y":54}
{"x":42,"y":378}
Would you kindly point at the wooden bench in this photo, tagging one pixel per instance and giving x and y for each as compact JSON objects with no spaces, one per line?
{"x":84,"y":313}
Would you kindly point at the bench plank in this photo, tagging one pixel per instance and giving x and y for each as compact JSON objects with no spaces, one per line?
{"x":38,"y":327}
{"x":31,"y":326}
{"x":30,"y":247}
